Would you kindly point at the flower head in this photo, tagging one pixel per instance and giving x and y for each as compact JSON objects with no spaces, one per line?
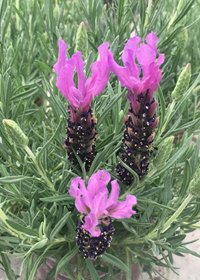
{"x":15,"y":133}
{"x":129,"y":75}
{"x":81,"y":97}
{"x":141,"y":120}
{"x":95,"y":203}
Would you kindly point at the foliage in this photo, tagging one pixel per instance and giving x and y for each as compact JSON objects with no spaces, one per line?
{"x":38,"y":217}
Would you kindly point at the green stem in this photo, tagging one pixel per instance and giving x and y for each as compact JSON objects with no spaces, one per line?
{"x":173,"y":217}
{"x":79,"y":276}
{"x":43,"y":175}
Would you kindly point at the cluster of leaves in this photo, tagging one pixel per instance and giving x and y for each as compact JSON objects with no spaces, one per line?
{"x":37,"y":215}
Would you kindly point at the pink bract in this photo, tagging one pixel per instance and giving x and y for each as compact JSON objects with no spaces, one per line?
{"x":129,"y":76}
{"x":81,"y":97}
{"x":95,"y":203}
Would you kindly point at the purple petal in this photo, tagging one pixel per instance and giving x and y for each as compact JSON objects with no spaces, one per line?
{"x":98,"y":181}
{"x":114,"y":194}
{"x":152,"y":40}
{"x":91,"y":223}
{"x":65,"y":78}
{"x":81,"y":205}
{"x":161,"y":59}
{"x":65,"y":70}
{"x":81,"y":77}
{"x":123,"y":209}
{"x":100,"y":72}
{"x":129,"y":55}
{"x":146,"y":55}
{"x":74,"y":188}
{"x":87,"y":197}
{"x":99,"y":203}
{"x":61,"y":57}
{"x":121,"y":72}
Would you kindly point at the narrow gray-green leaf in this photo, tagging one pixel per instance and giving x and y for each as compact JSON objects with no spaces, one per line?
{"x":59,"y":225}
{"x":114,"y":261}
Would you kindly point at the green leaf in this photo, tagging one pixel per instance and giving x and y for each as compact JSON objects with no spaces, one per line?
{"x":186,"y":179}
{"x":151,"y":202}
{"x":65,"y":260}
{"x":171,"y":36}
{"x":50,"y":140}
{"x":59,"y":225}
{"x":142,"y":16}
{"x":114,"y":45}
{"x":162,"y":107}
{"x":130,"y":229}
{"x":37,"y":245}
{"x":18,"y":178}
{"x":156,"y":11}
{"x":92,"y":270}
{"x":21,"y":228}
{"x":175,"y":157}
{"x":105,"y":142}
{"x":135,"y":176}
{"x":184,"y":11}
{"x":7,"y":267}
{"x":195,"y":156}
{"x":114,"y":261}
{"x":22,"y":19}
{"x":44,"y":66}
{"x":64,"y":197}
{"x":129,"y":265}
{"x":176,"y":239}
{"x":25,"y":94}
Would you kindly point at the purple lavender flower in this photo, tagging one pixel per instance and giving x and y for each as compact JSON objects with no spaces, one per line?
{"x":141,"y":120}
{"x":81,"y":130}
{"x":95,"y":229}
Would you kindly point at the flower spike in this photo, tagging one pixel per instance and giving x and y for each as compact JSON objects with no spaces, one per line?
{"x":141,"y":120}
{"x":95,"y":229}
{"x":81,"y":132}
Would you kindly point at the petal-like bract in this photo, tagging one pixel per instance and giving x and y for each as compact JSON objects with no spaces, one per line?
{"x":129,"y":75}
{"x":96,"y":205}
{"x":81,"y":98}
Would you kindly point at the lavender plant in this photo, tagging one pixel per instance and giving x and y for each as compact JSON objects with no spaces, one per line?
{"x":70,"y":204}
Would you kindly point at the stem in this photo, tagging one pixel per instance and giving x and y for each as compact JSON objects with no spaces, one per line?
{"x":79,"y":276}
{"x":43,"y":174}
{"x":173,"y":217}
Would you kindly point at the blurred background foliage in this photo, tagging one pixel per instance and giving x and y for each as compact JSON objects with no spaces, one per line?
{"x":29,"y":33}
